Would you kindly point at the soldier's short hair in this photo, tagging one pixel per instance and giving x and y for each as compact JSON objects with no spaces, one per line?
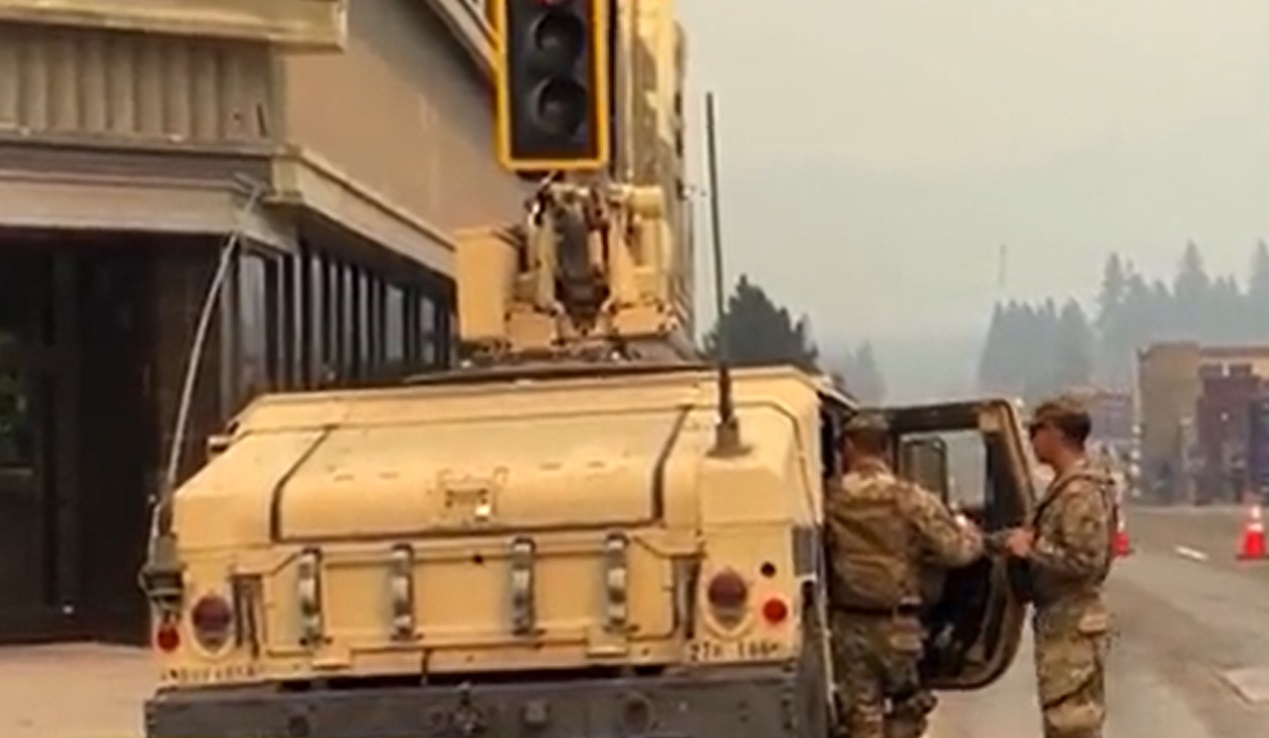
{"x":868,"y":432}
{"x":1067,"y":415}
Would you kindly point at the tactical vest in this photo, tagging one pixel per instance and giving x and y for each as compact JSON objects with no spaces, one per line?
{"x":1104,"y":487}
{"x":871,"y":545}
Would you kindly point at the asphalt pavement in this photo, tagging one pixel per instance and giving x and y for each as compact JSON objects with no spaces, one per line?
{"x":1190,"y":657}
{"x":1191,"y":653}
{"x":79,"y":690}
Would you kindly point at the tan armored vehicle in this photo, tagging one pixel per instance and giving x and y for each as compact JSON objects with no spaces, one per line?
{"x":598,"y":542}
{"x":583,"y":531}
{"x":541,"y":553}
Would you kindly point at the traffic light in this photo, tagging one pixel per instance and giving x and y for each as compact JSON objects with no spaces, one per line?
{"x":553,"y":84}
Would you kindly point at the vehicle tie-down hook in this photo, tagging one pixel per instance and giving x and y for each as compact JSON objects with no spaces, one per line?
{"x":465,"y":720}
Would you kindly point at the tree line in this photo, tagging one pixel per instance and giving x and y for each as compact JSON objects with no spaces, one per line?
{"x":759,"y":332}
{"x":1040,"y":347}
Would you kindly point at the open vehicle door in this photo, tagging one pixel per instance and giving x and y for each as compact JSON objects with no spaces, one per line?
{"x":972,"y":454}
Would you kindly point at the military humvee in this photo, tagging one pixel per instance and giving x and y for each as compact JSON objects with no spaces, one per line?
{"x":543,"y":552}
{"x":586,"y":532}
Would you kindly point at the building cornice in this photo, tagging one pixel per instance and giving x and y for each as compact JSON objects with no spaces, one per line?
{"x":300,"y":24}
{"x":467,"y":21}
{"x":301,"y":178}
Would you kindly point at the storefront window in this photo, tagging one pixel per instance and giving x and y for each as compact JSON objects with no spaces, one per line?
{"x":394,"y":325}
{"x":365,"y":337}
{"x":25,"y":314}
{"x":348,"y":323}
{"x":316,"y":314}
{"x":427,"y":323}
{"x":17,"y":453}
{"x":253,"y":326}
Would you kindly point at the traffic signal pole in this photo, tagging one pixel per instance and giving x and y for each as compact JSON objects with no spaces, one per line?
{"x":598,"y":270}
{"x":554,"y":78}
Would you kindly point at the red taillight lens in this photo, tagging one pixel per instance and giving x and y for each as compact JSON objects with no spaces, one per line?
{"x":212,"y":619}
{"x":167,"y":637}
{"x":775,"y":610}
{"x":727,"y":591}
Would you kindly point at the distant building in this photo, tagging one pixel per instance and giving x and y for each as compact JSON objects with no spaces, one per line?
{"x":1190,"y":400}
{"x":1111,"y":412}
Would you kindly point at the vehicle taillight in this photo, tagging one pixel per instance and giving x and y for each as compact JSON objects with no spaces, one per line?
{"x":775,"y":610}
{"x":167,"y":637}
{"x":212,"y":619}
{"x":727,"y":594}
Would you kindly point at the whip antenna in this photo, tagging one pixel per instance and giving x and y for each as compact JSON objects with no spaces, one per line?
{"x":727,"y":431}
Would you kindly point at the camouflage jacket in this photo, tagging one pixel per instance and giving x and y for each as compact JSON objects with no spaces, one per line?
{"x":1072,"y":553}
{"x":925,"y":530}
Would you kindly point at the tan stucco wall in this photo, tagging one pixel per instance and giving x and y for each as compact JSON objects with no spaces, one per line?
{"x":406,"y":114}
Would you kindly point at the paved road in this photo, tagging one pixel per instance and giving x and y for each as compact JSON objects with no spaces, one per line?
{"x":1193,"y":640}
{"x":1189,"y":615}
{"x":72,"y":691}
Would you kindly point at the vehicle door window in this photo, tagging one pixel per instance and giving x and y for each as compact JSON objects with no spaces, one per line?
{"x":968,"y":483}
{"x":830,"y":444}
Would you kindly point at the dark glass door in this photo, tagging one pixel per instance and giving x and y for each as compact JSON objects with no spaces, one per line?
{"x":29,"y":601}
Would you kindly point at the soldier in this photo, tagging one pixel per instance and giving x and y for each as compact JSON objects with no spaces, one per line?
{"x":1068,"y":547}
{"x":882,"y":533}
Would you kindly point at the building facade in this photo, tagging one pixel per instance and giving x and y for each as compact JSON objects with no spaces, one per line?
{"x":1193,"y":409}
{"x":135,"y":165}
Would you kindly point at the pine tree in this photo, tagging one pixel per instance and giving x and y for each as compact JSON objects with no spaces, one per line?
{"x":866,"y":382}
{"x":1114,"y":290}
{"x":1225,"y":320}
{"x":1257,"y":297}
{"x":1073,"y":343}
{"x":760,"y":332}
{"x":1258,"y":285}
{"x":1114,"y":358}
{"x":1190,"y":292}
{"x":991,"y":365}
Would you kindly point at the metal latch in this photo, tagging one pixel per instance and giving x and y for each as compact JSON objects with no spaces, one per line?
{"x":616,"y":581}
{"x":401,"y":588}
{"x":309,"y":596}
{"x":523,"y":614}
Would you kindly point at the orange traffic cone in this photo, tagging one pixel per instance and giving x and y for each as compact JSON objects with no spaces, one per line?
{"x":1123,"y":546}
{"x":1253,"y":544}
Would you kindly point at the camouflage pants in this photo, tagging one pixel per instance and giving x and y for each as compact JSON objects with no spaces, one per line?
{"x":1070,"y":656}
{"x":877,"y":680}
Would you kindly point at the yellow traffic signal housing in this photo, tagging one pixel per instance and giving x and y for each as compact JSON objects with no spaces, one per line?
{"x":553,"y":76}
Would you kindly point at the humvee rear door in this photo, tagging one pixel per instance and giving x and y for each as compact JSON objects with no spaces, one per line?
{"x":972,"y":454}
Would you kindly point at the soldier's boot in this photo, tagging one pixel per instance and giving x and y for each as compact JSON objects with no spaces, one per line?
{"x":909,"y":717}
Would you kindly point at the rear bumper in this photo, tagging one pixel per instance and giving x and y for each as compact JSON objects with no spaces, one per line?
{"x":710,"y":705}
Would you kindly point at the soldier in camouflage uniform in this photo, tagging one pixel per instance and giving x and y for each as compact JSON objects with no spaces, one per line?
{"x":1068,"y":546}
{"x":882,"y":533}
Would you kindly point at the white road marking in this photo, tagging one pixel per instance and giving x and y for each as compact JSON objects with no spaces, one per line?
{"x":1190,"y":553}
{"x":1251,"y":684}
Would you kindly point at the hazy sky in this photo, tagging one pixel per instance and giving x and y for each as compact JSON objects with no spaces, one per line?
{"x":876,"y":155}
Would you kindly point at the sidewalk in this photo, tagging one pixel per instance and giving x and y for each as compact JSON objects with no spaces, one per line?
{"x":73,"y":691}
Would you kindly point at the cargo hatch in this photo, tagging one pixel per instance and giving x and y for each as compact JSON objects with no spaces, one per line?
{"x":480,"y":475}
